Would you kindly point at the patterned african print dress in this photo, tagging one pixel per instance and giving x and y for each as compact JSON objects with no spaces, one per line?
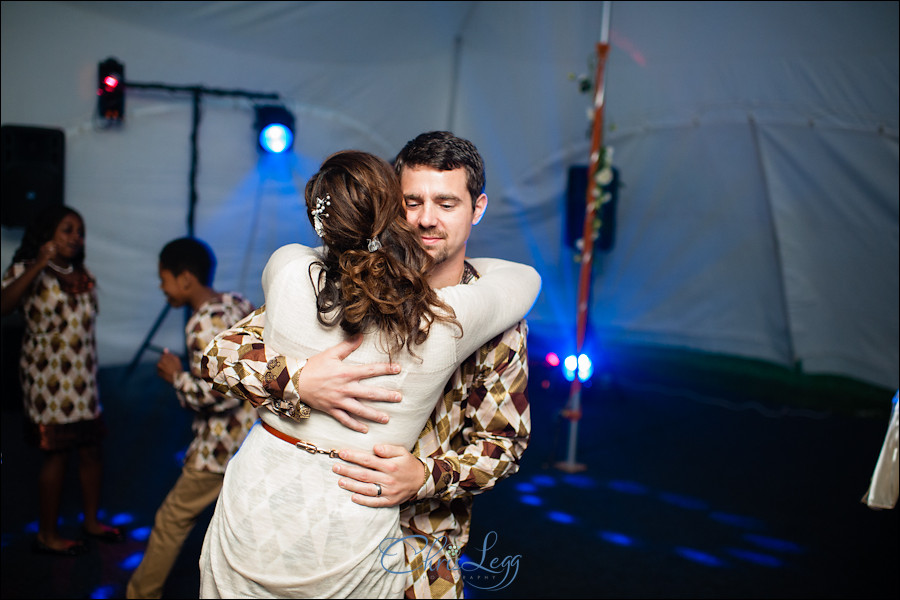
{"x":58,"y":364}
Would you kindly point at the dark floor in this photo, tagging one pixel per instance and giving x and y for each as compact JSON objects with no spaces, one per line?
{"x":689,"y":489}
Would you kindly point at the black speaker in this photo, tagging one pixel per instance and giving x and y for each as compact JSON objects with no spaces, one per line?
{"x":32,"y":163}
{"x":576,"y":198}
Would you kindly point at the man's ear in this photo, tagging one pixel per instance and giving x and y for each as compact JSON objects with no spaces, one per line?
{"x":480,"y":206}
{"x":186,"y":280}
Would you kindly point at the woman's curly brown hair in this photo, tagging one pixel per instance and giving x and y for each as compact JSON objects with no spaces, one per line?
{"x":385,"y":290}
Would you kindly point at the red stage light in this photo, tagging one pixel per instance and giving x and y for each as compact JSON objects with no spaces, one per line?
{"x":110,"y":82}
{"x":111,"y":92}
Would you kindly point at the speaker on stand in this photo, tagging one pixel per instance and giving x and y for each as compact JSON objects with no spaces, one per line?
{"x":32,"y":172}
{"x":32,"y":163}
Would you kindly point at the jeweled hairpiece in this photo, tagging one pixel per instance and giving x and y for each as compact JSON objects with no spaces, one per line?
{"x":374,"y":244}
{"x":319,"y":212}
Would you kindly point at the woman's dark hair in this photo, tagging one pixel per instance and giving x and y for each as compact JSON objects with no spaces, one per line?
{"x":362,"y":290}
{"x":189,"y":254}
{"x":42,"y":229}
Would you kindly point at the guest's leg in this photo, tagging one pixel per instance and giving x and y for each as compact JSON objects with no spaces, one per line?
{"x":90,"y":471}
{"x":190,"y":496}
{"x":50,"y":484}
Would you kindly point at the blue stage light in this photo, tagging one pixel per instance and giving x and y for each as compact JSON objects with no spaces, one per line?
{"x":580,"y":364}
{"x":585,"y":367}
{"x":276,"y":138}
{"x":570,"y":365}
{"x":275,"y":125}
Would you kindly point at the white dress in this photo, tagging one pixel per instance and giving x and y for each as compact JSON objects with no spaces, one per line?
{"x":282,"y":527}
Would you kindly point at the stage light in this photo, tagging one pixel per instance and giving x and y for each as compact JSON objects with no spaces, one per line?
{"x":569,"y":367}
{"x":580,"y":365}
{"x":111,"y":91}
{"x":552,"y":359}
{"x":275,"y":129}
{"x":585,"y":367}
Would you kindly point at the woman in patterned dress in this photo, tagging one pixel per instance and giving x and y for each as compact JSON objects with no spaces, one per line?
{"x":48,"y":282}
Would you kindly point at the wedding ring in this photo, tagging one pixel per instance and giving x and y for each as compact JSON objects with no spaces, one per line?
{"x":379,"y":489}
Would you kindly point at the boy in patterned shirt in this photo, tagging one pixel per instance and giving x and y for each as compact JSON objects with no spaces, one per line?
{"x":221,"y":422}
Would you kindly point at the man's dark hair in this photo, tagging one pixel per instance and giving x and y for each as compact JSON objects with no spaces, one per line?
{"x":444,"y":151}
{"x":191,"y":255}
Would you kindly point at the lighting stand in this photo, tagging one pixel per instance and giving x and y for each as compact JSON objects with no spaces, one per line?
{"x":196,"y":93}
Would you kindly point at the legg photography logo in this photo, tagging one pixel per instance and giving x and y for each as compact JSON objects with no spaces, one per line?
{"x":487,"y":569}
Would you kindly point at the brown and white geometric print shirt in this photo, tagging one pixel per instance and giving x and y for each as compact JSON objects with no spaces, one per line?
{"x":221,"y":422}
{"x":474,"y":438}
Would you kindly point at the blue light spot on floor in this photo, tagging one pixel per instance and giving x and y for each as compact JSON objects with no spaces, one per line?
{"x":580,"y":481}
{"x":140,"y":534}
{"x":619,"y":539}
{"x":560,"y":517}
{"x":544,"y":480}
{"x":736,"y":520}
{"x":104,"y":591}
{"x":773,"y":543}
{"x":756,"y":558}
{"x":699,"y":557}
{"x":131,"y":562}
{"x":526,"y":488}
{"x":683,"y":501}
{"x":627,"y":487}
{"x":530,"y":500}
{"x":122,"y":519}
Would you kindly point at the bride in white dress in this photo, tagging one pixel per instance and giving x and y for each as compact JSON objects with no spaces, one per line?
{"x":282,"y":527}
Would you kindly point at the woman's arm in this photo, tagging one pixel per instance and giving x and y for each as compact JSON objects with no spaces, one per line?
{"x":500,"y":298}
{"x":13,"y":292}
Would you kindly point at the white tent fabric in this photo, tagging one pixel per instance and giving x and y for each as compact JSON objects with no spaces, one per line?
{"x":757,"y":145}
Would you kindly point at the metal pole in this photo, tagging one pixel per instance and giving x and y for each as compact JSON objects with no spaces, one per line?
{"x":573,"y":408}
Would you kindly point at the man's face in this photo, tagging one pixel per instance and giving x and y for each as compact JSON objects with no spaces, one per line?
{"x":438,"y":205}
{"x":173,"y":287}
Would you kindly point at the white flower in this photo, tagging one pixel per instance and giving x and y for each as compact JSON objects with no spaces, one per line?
{"x":604,"y":176}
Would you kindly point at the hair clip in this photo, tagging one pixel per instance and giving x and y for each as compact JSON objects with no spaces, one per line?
{"x":374,"y":244}
{"x":319,"y":212}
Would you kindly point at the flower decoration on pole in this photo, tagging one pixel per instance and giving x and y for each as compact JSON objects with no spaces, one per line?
{"x":601,"y":193}
{"x":603,"y":175}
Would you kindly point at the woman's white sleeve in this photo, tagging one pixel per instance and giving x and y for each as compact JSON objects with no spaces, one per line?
{"x":497,"y":300}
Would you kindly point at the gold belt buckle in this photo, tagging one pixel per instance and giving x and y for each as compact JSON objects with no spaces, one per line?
{"x":311,"y":448}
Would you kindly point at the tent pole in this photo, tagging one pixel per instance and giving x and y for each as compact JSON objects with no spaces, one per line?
{"x":573,"y":409}
{"x":779,"y":260}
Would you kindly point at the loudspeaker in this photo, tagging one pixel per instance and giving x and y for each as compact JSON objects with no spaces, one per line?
{"x":32,"y":163}
{"x":576,"y":197}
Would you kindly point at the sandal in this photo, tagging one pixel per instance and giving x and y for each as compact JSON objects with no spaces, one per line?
{"x":74,"y":549}
{"x":109,"y":534}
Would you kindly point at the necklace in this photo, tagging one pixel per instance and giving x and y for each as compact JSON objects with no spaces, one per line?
{"x":60,"y":270}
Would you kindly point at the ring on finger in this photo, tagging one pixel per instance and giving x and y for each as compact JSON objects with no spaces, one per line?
{"x":377,"y":485}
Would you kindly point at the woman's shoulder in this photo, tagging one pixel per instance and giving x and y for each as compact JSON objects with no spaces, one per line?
{"x":292,"y":258}
{"x":291,"y":254}
{"x":14,"y":270}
